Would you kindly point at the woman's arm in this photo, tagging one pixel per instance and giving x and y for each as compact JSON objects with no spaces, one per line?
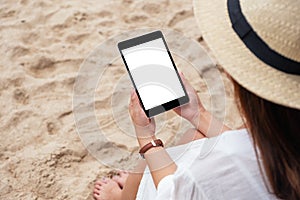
{"x":210,"y":126}
{"x":199,"y":117}
{"x":157,"y":158}
{"x":160,"y":164}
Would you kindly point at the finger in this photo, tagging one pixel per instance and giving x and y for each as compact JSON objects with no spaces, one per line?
{"x":186,"y":83}
{"x":136,"y":111}
{"x":132,"y":91}
{"x":131,"y":97}
{"x":177,"y":109}
{"x":132,"y":102}
{"x":189,"y":88}
{"x":136,"y":104}
{"x":182,"y":77}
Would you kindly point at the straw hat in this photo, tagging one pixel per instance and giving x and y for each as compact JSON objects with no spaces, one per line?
{"x":261,"y":50}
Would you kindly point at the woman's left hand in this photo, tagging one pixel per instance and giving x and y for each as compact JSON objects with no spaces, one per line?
{"x":158,"y":161}
{"x":144,"y":127}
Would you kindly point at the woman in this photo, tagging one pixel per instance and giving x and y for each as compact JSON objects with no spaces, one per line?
{"x":258,"y":44}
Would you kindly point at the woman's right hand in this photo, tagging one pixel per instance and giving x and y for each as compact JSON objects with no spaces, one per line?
{"x":195,"y":113}
{"x":194,"y":108}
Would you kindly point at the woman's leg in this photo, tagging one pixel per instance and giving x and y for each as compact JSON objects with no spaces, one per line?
{"x":133,"y":181}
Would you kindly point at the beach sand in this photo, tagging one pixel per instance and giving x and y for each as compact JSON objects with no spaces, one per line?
{"x":43,"y":44}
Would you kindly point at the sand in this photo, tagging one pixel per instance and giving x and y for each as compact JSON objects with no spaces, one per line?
{"x":43,"y":44}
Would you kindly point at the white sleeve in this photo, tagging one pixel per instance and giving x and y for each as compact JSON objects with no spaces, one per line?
{"x":181,"y":186}
{"x":165,"y":188}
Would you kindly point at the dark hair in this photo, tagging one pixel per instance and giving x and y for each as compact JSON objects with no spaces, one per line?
{"x":275,"y":130}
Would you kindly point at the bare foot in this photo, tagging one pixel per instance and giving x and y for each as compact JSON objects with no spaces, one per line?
{"x":121,"y":178}
{"x":107,"y":189}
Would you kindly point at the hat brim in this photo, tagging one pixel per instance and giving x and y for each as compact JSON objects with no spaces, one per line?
{"x":244,"y":67}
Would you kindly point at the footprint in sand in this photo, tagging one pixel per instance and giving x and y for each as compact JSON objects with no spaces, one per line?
{"x":24,"y":2}
{"x":21,"y":96}
{"x":19,"y":51}
{"x":105,"y":14}
{"x":29,"y":38}
{"x":77,"y":38}
{"x":152,"y":8}
{"x":180,"y":16}
{"x":135,"y":18}
{"x":80,"y":16}
{"x":127,"y":1}
{"x":46,"y":67}
{"x":107,"y":23}
{"x":51,"y":128}
{"x":7,"y":14}
{"x":43,"y":63}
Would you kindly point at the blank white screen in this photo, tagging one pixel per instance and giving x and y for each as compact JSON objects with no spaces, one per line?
{"x":153,"y":73}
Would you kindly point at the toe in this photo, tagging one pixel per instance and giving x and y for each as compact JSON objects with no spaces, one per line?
{"x":121,"y":173}
{"x":116,"y":178}
{"x":121,"y":178}
{"x":98,"y":187}
{"x":96,"y":196}
{"x":108,"y":190}
{"x":101,"y":182}
{"x":96,"y":191}
{"x":97,"y":183}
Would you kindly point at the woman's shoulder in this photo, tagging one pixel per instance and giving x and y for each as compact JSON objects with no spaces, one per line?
{"x":233,"y":145}
{"x":235,"y":142}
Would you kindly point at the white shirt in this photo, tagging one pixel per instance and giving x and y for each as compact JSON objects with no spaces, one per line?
{"x":223,"y":167}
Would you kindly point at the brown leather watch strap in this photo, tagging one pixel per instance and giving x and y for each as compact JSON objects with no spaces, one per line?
{"x":153,"y":143}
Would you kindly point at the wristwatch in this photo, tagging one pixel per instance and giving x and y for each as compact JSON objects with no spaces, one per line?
{"x":153,"y":143}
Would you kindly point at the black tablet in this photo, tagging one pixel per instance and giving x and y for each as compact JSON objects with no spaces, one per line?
{"x":153,"y":73}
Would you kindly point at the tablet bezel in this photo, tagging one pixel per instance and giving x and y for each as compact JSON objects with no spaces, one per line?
{"x":143,"y":39}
